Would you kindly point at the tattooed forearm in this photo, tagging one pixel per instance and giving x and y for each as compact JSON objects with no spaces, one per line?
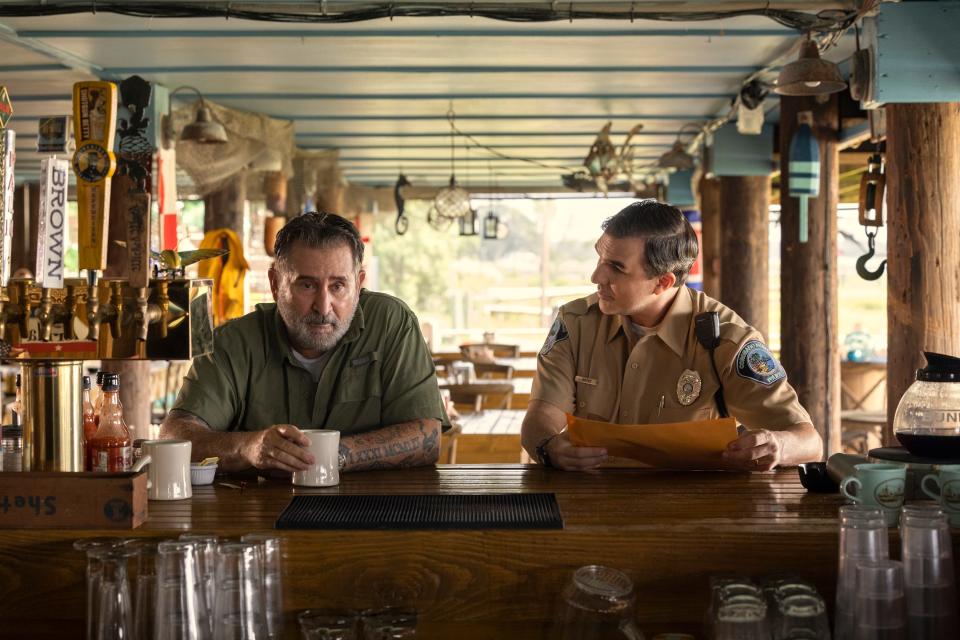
{"x":409,"y":444}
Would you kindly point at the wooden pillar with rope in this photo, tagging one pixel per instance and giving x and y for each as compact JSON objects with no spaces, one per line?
{"x":744,"y":248}
{"x":808,"y":272}
{"x":709,"y":201}
{"x":923,"y":241}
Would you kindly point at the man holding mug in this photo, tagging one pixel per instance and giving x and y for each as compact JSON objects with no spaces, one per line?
{"x":327,"y":355}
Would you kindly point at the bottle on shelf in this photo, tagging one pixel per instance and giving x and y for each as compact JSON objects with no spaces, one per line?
{"x":16,"y":411}
{"x":111,"y":446}
{"x":98,"y":399}
{"x":89,"y":425}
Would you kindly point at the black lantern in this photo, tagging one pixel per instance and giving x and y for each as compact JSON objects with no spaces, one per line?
{"x":491,"y":225}
{"x":468,"y":222}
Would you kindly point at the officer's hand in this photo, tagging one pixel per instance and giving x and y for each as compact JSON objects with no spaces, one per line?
{"x":756,"y":450}
{"x":565,"y":455}
{"x":281,"y":446}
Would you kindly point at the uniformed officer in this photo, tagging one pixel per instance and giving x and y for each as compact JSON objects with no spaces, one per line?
{"x":327,"y":355}
{"x":629,"y":354}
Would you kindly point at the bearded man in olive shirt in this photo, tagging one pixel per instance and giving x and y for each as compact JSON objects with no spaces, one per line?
{"x":327,"y":355}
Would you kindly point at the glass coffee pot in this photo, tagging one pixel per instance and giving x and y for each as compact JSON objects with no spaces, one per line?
{"x":927,"y":421}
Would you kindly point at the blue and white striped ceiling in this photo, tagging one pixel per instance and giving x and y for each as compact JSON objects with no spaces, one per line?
{"x":380,"y":91}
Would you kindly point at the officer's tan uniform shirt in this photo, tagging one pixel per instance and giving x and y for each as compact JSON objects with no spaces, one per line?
{"x":594,"y":366}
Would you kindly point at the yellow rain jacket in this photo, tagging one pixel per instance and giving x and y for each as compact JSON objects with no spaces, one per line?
{"x":227,"y":276}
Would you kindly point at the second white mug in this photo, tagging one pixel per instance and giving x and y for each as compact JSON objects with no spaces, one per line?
{"x":169,"y":470}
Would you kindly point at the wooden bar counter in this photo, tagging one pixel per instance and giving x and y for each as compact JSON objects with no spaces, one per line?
{"x":668,"y":530}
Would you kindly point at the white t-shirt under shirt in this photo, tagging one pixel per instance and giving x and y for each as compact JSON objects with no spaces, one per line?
{"x":314,"y":365}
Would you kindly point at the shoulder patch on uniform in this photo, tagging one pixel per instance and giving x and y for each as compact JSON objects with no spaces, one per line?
{"x":755,"y":362}
{"x":558,"y":333}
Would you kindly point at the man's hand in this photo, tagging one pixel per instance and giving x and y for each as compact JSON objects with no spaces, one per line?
{"x":281,"y":446}
{"x":757,"y":450}
{"x":565,"y":455}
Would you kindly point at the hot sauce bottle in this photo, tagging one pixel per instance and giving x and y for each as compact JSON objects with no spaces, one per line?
{"x":98,"y":400}
{"x":111,"y":447}
{"x":89,"y":425}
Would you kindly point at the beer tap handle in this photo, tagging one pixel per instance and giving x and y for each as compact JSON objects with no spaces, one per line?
{"x":69,"y":311}
{"x":45,"y":314}
{"x":93,"y":306}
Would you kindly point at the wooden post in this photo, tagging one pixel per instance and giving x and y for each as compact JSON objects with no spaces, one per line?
{"x":709,"y":202}
{"x":744,"y":250}
{"x":923,"y":241}
{"x":26,"y":206}
{"x":224,"y":208}
{"x":809,"y":349}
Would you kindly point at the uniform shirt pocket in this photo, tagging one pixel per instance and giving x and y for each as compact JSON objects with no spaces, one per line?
{"x":594,"y":399}
{"x":692,"y":413}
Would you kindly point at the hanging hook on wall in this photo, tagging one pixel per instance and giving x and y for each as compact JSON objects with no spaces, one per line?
{"x":872,"y":187}
{"x":862,"y":270}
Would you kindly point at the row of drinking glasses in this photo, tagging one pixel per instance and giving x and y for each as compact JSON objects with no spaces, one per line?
{"x":880,"y":598}
{"x":193,"y":588}
{"x":783,"y":609}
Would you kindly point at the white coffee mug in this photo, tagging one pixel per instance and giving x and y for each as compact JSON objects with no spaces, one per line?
{"x":325,"y":447}
{"x":169,"y":472}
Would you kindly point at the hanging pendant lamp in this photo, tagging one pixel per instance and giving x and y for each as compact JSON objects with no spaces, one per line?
{"x":809,"y":75}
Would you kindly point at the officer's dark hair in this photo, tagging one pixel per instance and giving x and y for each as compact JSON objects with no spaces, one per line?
{"x":320,"y":231}
{"x":670,"y":243}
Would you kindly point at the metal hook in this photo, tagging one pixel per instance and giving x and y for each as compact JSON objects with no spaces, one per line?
{"x":862,"y":270}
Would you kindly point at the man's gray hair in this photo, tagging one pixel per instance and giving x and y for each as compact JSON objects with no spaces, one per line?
{"x":320,"y":231}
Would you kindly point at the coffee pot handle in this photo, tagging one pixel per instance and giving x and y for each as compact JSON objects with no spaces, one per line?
{"x":848,"y":481}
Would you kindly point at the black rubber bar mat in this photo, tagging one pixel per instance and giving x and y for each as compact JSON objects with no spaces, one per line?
{"x":384,"y":512}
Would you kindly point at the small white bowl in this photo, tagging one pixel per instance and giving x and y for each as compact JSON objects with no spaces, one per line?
{"x":202,"y":474}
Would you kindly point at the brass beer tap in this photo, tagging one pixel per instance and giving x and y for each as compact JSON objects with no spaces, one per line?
{"x":156,"y":312}
{"x":46,"y":314}
{"x":25,"y":310}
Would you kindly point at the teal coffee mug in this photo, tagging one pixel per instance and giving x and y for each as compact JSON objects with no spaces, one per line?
{"x":947,"y":481}
{"x":878,"y":485}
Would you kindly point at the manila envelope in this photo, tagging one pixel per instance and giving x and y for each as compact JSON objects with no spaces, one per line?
{"x":676,"y":445}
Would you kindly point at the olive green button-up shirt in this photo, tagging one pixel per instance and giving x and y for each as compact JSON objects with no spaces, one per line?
{"x":379,"y":374}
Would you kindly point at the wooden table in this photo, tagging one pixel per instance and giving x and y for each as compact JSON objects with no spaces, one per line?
{"x":490,"y":436}
{"x":668,"y":530}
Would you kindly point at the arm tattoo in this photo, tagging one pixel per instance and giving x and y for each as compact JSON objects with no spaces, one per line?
{"x":411,"y":444}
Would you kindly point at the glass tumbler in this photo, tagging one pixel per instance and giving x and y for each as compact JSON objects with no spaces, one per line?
{"x":329,"y":624}
{"x":879,"y":612}
{"x":181,"y":611}
{"x":391,"y":623}
{"x":863,"y":538}
{"x":240,"y":609}
{"x":206,"y":559}
{"x":93,"y":549}
{"x":597,"y":603}
{"x":271,"y":557}
{"x":929,"y":580}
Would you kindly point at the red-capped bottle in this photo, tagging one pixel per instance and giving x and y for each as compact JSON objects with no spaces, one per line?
{"x":111,"y":447}
{"x":89,"y":425}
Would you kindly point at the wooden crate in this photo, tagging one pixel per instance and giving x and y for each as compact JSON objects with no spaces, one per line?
{"x":59,"y":500}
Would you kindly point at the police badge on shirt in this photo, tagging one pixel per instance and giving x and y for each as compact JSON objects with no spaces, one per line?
{"x":558,"y":333}
{"x":755,"y":362}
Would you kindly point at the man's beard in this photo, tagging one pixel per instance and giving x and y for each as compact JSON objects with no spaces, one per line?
{"x":300,"y":328}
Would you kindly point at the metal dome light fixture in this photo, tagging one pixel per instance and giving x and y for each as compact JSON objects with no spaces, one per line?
{"x":203,"y":130}
{"x":809,"y":75}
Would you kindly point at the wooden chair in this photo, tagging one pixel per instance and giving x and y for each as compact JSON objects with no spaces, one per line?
{"x":475,"y":352}
{"x":479,"y":395}
{"x":493,"y":371}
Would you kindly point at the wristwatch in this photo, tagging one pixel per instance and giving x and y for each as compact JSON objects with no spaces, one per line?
{"x":543,"y":456}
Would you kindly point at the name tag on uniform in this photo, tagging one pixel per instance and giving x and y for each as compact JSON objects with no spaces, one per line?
{"x":590,"y":381}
